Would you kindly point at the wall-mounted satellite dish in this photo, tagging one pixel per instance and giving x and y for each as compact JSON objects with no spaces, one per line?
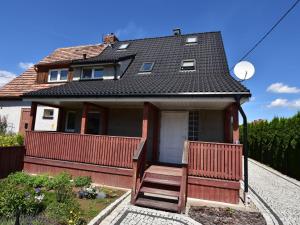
{"x":244,"y":70}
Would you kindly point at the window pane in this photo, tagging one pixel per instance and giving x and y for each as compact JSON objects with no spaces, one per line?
{"x":53,"y":75}
{"x":48,"y":113}
{"x":98,"y":73}
{"x":123,"y":46}
{"x":147,"y":67}
{"x":188,"y":65}
{"x":63,"y":74}
{"x":191,"y":40}
{"x":71,"y":121}
{"x":87,"y":73}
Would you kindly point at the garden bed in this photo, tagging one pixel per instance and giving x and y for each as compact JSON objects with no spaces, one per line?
{"x":225,"y":216}
{"x":57,"y":201}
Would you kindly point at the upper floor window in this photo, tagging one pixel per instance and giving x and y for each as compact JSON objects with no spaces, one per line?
{"x":123,"y":46}
{"x":188,"y":65}
{"x":147,"y":67}
{"x":92,"y":73}
{"x":191,"y":40}
{"x":58,"y":75}
{"x":48,"y":114}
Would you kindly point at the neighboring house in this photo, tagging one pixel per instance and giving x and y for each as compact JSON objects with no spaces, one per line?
{"x":16,"y":111}
{"x":158,"y":115}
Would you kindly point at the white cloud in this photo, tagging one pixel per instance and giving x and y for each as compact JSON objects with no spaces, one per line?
{"x":5,"y":77}
{"x":282,"y":88}
{"x":281,"y":102}
{"x":25,"y":65}
{"x":131,"y":30}
{"x":252,"y":99}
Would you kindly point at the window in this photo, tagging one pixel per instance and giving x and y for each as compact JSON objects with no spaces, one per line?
{"x":58,"y":75}
{"x":98,"y":73}
{"x":189,"y":64}
{"x":48,"y":114}
{"x":147,"y":67}
{"x":123,"y":46}
{"x":71,"y":121}
{"x":191,"y":40}
{"x":92,"y":73}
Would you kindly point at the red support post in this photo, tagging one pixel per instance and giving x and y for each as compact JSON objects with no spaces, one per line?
{"x":145,"y":120}
{"x":33,"y":115}
{"x":84,"y":118}
{"x":235,"y":125}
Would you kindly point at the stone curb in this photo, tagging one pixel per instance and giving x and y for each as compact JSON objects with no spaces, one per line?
{"x":270,"y":220}
{"x":105,"y":212}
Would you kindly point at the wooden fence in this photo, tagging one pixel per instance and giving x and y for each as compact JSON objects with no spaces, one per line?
{"x":215,"y":160}
{"x":11,"y":160}
{"x":93,"y":149}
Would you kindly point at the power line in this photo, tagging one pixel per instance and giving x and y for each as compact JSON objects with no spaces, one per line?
{"x":272,"y":28}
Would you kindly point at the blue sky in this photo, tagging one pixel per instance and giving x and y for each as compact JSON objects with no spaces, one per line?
{"x":32,"y":29}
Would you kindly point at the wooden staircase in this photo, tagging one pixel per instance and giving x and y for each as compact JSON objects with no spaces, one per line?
{"x":161,"y":188}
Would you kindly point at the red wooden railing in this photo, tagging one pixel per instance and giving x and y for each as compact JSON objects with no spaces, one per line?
{"x":215,"y":160}
{"x":94,"y":149}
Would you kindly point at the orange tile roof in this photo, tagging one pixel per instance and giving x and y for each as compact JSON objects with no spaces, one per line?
{"x":27,"y":81}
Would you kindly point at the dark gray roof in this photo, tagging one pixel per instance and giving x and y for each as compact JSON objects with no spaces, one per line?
{"x":211,"y":75}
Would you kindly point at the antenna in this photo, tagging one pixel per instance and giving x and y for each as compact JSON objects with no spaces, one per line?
{"x":244,"y":70}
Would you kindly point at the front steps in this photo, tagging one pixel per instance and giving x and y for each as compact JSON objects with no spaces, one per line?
{"x":160,"y":189}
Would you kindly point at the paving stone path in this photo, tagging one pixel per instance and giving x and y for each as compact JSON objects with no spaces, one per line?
{"x":279,"y":194}
{"x":132,"y":215}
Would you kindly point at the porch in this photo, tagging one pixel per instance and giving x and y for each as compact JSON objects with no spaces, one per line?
{"x":131,"y":147}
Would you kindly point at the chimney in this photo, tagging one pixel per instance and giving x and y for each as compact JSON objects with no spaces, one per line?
{"x":110,"y":38}
{"x":84,"y":55}
{"x":176,"y":31}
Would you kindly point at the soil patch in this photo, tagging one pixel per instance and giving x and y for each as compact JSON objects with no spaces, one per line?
{"x":225,"y":216}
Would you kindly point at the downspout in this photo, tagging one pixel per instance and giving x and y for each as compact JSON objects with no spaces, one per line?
{"x":245,"y":147}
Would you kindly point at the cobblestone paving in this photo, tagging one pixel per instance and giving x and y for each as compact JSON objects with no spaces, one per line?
{"x":279,"y":193}
{"x":133,"y":215}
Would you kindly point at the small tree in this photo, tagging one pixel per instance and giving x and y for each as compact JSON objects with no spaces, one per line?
{"x":17,"y":200}
{"x":3,"y":125}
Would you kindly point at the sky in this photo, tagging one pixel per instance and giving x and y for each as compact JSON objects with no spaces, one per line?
{"x":32,"y":29}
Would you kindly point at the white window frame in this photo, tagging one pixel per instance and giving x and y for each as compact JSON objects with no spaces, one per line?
{"x":187,"y":70}
{"x":93,"y":73}
{"x":123,"y":48}
{"x":146,"y":71}
{"x":58,"y":75}
{"x":191,"y":43}
{"x":66,"y":122}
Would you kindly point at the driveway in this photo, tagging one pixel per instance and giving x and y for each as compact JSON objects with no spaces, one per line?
{"x":278,"y":194}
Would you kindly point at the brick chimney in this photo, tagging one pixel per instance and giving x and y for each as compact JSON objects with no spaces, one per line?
{"x":110,"y":38}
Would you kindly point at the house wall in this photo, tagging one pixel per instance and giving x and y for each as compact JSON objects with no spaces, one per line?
{"x":211,"y":125}
{"x":42,"y":124}
{"x":12,"y":111}
{"x":125,"y":122}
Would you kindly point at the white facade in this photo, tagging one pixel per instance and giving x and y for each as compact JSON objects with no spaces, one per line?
{"x":45,"y":124}
{"x":12,"y":111}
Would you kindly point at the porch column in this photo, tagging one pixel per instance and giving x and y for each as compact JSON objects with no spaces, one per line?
{"x":145,"y":119}
{"x":227,"y":125}
{"x":235,"y":125}
{"x":33,"y":115}
{"x":84,"y":118}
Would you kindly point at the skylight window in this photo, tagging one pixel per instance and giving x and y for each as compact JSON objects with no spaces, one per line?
{"x":123,"y":46}
{"x":147,"y":67}
{"x":191,"y":40}
{"x":188,"y":65}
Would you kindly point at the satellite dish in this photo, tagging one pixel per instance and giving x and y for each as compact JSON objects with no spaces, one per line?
{"x":244,"y":70}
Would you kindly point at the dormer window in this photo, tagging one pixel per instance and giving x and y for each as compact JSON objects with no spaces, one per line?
{"x":123,"y":46}
{"x":57,"y":75}
{"x":147,"y":67}
{"x":191,"y":40}
{"x":92,"y":73}
{"x":188,"y":65}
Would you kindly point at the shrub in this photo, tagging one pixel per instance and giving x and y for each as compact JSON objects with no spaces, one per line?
{"x":3,"y":125}
{"x":20,"y":178}
{"x":65,"y":212}
{"x":63,"y":187}
{"x":82,"y":181}
{"x":11,"y":140}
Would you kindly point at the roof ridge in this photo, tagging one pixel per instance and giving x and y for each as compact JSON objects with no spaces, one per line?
{"x":168,"y":36}
{"x":80,"y":46}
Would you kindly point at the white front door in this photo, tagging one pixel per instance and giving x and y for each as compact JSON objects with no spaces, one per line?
{"x":173,"y":133}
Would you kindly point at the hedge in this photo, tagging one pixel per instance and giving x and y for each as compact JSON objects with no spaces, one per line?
{"x":11,"y":140}
{"x":276,"y":143}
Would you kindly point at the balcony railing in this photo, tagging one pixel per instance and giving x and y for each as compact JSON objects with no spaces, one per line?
{"x":83,"y":148}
